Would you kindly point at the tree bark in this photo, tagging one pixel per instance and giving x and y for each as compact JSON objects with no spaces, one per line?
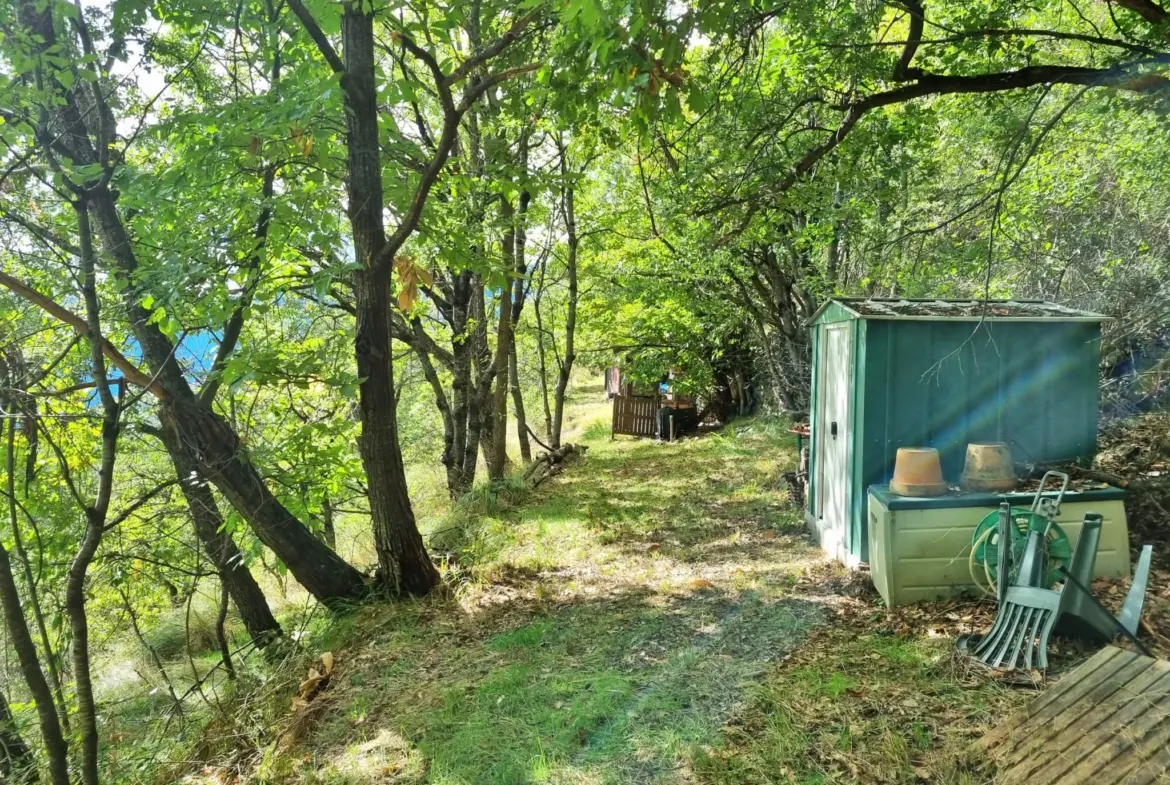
{"x":574,"y":241}
{"x":30,"y":667}
{"x":479,"y":416}
{"x":219,"y":546}
{"x":327,"y":524}
{"x":541,"y":354}
{"x":520,"y":268}
{"x":465,"y":410}
{"x":404,"y":567}
{"x":499,"y":435}
{"x":214,"y":446}
{"x":19,"y":765}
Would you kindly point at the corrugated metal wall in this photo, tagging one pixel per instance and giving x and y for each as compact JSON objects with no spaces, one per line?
{"x":945,"y":383}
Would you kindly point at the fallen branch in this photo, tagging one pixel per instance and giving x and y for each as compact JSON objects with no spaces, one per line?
{"x":551,"y":463}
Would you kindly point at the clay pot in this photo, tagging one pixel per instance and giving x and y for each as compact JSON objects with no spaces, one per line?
{"x":918,"y":472}
{"x":988,"y":468}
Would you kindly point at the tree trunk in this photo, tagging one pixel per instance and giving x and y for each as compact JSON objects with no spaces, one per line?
{"x":330,"y":530}
{"x":52,"y":664}
{"x":403,"y":563}
{"x":518,"y":408}
{"x":499,"y":435}
{"x":30,"y":667}
{"x":19,"y":765}
{"x":520,"y":266}
{"x":208,"y":438}
{"x":211,"y":441}
{"x":219,"y":546}
{"x":459,"y":479}
{"x":214,"y":445}
{"x":566,"y":368}
{"x":541,"y":355}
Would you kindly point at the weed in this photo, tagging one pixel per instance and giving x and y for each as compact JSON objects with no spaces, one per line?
{"x":170,"y":634}
{"x":596,"y":430}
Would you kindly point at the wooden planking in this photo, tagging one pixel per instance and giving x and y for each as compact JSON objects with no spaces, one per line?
{"x":636,"y":415}
{"x":1005,"y":732}
{"x":1108,"y":721}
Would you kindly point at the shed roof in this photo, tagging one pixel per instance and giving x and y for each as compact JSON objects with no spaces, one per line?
{"x":960,"y":310}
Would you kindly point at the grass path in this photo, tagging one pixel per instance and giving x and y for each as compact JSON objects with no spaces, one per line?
{"x":628,"y":622}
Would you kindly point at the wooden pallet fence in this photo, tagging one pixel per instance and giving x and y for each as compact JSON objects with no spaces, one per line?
{"x":635,"y":415}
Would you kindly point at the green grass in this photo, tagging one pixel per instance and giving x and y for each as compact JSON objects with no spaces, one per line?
{"x":642,"y":618}
{"x":601,"y":629}
{"x":851,"y":707}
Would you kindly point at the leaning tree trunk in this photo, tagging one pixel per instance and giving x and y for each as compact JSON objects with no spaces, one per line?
{"x":19,"y":765}
{"x":219,"y":546}
{"x":211,"y":441}
{"x":208,"y":438}
{"x":215,"y":447}
{"x":30,"y":667}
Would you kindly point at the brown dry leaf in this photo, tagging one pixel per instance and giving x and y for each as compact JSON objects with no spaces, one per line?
{"x":410,"y":275}
{"x":702,"y":583}
{"x":309,"y":686}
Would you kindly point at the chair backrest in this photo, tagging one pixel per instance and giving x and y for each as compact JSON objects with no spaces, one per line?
{"x":1022,"y":627}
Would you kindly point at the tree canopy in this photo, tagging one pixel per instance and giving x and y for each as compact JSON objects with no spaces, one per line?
{"x":283,"y":280}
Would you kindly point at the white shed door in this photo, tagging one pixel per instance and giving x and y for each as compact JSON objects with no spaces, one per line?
{"x":832,"y":445}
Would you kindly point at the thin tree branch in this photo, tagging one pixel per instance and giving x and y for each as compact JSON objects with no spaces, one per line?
{"x":318,"y":35}
{"x":79,"y":325}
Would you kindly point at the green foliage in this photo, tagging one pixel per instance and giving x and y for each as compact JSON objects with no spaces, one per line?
{"x":721,"y":191}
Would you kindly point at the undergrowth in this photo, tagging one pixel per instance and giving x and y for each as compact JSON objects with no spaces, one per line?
{"x":643,"y":617}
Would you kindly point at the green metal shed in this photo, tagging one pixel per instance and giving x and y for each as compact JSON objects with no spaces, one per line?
{"x":891,"y":373}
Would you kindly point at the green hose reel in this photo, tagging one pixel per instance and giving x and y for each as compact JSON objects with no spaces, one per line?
{"x":985,"y":545}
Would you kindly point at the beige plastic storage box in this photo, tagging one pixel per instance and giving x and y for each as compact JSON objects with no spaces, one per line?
{"x":919,"y":548}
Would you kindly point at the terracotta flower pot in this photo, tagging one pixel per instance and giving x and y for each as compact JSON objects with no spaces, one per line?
{"x":918,"y":472}
{"x":988,"y":468}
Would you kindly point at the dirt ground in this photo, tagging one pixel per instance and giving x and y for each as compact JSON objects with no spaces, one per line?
{"x":655,"y":614}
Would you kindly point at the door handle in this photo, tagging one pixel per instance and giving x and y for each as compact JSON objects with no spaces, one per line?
{"x":833,"y":429}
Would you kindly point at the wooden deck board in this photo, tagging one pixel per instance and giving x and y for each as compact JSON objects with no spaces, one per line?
{"x":1107,"y":722}
{"x":1094,"y":728}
